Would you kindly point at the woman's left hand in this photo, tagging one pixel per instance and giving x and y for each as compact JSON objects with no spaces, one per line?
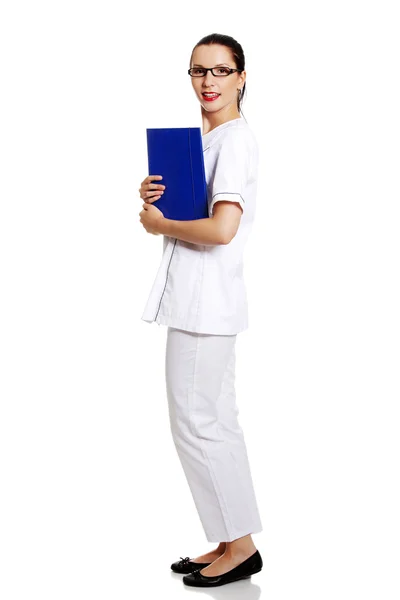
{"x":150,"y":218}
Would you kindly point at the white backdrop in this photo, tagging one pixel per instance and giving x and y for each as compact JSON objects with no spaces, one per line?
{"x":93,"y":494}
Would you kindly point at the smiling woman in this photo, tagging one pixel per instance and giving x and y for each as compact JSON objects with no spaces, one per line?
{"x":217,"y":69}
{"x":199,"y":293}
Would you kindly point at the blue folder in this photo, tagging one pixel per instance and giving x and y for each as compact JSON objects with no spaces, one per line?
{"x":177,"y":154}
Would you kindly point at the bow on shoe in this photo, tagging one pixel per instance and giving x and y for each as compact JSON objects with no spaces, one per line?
{"x":197,"y":574}
{"x":184,"y":561}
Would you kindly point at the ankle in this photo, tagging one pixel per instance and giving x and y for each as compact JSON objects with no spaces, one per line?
{"x":241,"y":547}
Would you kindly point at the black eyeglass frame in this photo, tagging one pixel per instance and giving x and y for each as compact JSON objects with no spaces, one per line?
{"x":211,"y":69}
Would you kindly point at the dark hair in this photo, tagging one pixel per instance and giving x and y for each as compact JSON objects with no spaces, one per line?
{"x":237,"y":52}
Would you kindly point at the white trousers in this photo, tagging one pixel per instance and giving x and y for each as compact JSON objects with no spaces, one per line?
{"x":200,"y":379}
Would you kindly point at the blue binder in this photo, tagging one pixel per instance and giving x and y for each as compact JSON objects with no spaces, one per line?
{"x":177,"y":154}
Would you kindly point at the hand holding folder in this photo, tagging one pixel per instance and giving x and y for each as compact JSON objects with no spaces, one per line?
{"x":177,"y":154}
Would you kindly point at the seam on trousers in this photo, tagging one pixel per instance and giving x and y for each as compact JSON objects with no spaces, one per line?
{"x":221,"y":393}
{"x":212,"y":474}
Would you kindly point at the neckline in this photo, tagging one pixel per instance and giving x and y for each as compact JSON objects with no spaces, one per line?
{"x":222,"y":125}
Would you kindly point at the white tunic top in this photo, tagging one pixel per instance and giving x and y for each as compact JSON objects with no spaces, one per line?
{"x":201,"y":288}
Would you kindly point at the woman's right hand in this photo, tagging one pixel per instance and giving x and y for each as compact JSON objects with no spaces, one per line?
{"x":149,"y":192}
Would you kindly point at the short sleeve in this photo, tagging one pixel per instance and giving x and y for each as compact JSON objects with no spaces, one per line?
{"x":231,"y":169}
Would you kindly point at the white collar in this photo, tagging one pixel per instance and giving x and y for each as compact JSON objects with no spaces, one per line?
{"x":209,"y":136}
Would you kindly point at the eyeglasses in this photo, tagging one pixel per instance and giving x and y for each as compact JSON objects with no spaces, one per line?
{"x":216,"y":71}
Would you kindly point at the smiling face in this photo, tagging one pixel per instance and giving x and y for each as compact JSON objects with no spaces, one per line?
{"x":227,"y":87}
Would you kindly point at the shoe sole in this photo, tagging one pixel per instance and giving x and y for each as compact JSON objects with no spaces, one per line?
{"x":223,"y":582}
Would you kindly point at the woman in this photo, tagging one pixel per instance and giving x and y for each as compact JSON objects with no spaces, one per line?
{"x":199,"y":293}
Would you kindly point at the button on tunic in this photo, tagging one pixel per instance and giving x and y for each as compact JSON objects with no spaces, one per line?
{"x":201,"y":288}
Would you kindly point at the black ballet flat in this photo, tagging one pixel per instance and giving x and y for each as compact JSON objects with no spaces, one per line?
{"x":185,"y":565}
{"x":244,"y":570}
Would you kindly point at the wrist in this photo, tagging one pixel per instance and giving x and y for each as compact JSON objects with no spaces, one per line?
{"x":162,"y":226}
